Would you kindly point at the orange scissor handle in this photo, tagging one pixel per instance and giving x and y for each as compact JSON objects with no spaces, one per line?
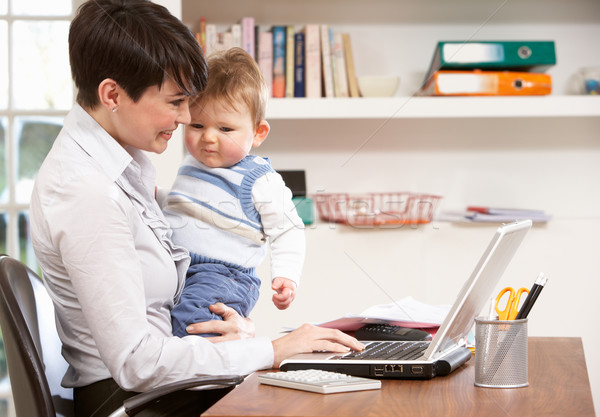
{"x":503,"y":313}
{"x":511,"y":309}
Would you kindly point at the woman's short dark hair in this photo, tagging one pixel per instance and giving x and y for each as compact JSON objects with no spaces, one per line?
{"x":136,"y":43}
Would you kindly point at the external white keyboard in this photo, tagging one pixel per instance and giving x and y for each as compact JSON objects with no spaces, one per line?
{"x":323,"y":382}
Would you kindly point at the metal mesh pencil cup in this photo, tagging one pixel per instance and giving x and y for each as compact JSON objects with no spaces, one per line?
{"x":501,"y":353}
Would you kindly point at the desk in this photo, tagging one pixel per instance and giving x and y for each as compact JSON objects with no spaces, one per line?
{"x":558,"y":386}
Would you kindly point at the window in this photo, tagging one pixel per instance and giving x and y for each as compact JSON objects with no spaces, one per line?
{"x":36,"y":92}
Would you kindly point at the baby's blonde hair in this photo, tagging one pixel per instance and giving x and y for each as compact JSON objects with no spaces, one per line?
{"x":233,"y":78}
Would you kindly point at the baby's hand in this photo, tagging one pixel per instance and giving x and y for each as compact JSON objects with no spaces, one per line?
{"x":285,"y":292}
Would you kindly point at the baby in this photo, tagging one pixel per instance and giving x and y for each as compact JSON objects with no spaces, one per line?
{"x":226,"y":204}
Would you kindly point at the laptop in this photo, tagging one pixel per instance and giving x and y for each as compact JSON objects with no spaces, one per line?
{"x":446,"y":351}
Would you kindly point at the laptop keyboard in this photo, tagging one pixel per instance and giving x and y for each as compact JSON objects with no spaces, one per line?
{"x":388,"y":351}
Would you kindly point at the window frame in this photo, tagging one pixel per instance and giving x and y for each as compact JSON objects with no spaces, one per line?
{"x":12,"y":208}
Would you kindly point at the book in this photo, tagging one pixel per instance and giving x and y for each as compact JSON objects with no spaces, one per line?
{"x":279,"y":37}
{"x":351,"y":72}
{"x":201,"y":34}
{"x":338,"y":59}
{"x":224,"y":41}
{"x":256,"y":32}
{"x":211,"y":38}
{"x":265,"y":58}
{"x":504,"y":211}
{"x":507,"y":218}
{"x":200,"y":38}
{"x":299,"y":65}
{"x":289,"y":61}
{"x":326,"y":62}
{"x":487,"y":83}
{"x":312,"y":61}
{"x":480,"y":214}
{"x":248,"y":35}
{"x":236,"y":35}
{"x":509,"y":212}
{"x":536,"y":56}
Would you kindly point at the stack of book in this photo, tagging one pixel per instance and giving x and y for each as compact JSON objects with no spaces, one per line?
{"x":312,"y":61}
{"x":490,"y":68}
{"x":494,"y":215}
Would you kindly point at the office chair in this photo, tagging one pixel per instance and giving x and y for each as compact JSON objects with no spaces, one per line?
{"x":24,"y":349}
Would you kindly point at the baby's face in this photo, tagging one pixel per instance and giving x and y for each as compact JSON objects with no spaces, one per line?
{"x":218,"y":135}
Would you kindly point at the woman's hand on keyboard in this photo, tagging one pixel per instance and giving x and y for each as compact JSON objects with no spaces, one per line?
{"x":308,"y":338}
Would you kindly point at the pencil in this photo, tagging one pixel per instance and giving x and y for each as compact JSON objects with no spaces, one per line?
{"x":538,"y":286}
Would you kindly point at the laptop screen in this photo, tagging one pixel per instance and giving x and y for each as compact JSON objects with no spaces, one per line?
{"x":475,"y":292}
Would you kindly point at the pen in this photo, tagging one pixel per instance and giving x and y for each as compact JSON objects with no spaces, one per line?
{"x":538,"y":286}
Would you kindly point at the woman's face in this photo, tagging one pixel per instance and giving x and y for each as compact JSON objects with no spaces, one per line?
{"x":148,"y":124}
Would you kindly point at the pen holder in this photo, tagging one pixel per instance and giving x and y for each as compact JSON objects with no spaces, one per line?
{"x":501,"y":353}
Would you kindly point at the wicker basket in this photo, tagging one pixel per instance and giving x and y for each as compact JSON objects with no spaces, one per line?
{"x":377,"y":209}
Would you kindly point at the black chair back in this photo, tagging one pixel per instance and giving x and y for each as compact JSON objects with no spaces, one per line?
{"x":20,"y":332}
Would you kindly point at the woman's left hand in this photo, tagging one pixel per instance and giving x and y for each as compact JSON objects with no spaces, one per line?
{"x":232,"y":327}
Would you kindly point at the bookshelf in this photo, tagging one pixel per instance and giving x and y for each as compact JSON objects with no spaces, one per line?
{"x":397,"y":37}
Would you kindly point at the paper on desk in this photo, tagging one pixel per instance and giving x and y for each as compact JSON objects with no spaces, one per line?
{"x":406,"y":312}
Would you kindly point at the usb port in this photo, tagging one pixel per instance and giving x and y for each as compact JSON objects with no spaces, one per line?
{"x":378,"y":370}
{"x":417,"y":370}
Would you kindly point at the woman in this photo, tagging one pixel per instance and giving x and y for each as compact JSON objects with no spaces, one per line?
{"x":99,"y":235}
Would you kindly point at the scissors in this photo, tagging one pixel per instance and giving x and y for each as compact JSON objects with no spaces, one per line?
{"x":511,"y":309}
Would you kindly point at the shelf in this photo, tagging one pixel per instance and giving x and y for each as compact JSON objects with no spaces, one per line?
{"x":383,"y":12}
{"x":397,"y":37}
{"x":433,"y":107}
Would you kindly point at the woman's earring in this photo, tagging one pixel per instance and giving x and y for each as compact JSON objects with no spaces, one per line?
{"x":114,"y":110}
